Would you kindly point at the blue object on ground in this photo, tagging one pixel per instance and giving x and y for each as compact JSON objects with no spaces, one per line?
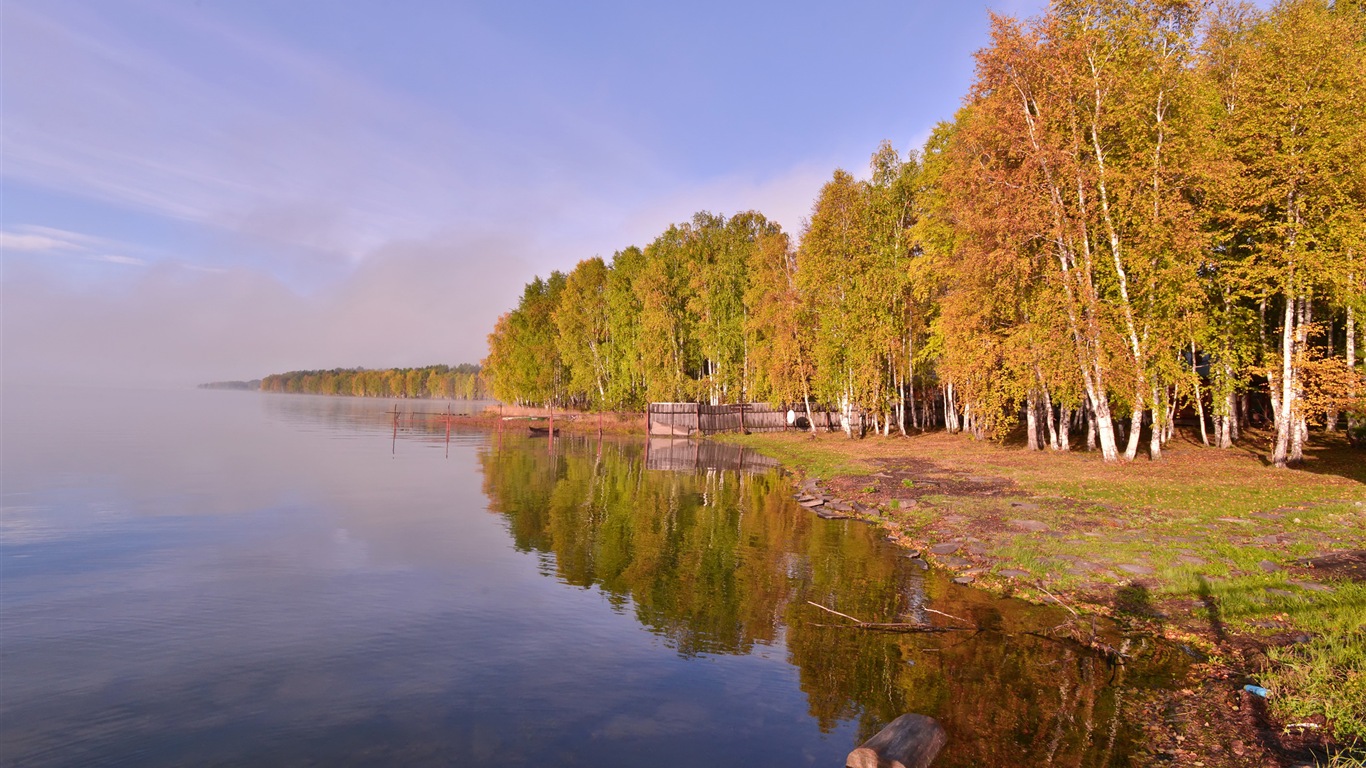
{"x":1257,"y":689}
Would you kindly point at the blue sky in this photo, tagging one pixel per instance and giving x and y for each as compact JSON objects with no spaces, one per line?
{"x":226,"y":188}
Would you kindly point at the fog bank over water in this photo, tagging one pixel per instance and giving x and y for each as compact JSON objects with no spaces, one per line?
{"x":410,"y":304}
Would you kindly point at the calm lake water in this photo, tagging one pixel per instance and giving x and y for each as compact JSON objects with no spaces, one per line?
{"x":228,"y":578}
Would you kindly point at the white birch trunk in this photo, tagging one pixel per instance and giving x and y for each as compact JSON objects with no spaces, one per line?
{"x":1199,"y":403}
{"x":1283,"y":390}
{"x":1090,"y":426}
{"x":1299,"y":420}
{"x":1351,"y":364}
{"x":1031,"y":421}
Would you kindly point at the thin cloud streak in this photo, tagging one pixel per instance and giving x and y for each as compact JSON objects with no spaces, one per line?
{"x":325,"y":161}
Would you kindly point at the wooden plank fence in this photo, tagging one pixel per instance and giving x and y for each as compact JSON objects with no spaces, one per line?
{"x":686,"y":419}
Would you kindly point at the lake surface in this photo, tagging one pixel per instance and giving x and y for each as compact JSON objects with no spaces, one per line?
{"x":229,"y":578}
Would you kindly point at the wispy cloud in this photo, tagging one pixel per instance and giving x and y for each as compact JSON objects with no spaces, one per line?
{"x":30,"y":239}
{"x":232,"y":129}
{"x":15,"y":241}
{"x":114,"y":258}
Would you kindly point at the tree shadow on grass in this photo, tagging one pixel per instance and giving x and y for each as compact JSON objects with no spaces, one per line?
{"x":1212,"y":614}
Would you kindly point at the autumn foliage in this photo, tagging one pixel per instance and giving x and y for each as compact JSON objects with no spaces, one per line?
{"x":1145,"y":210}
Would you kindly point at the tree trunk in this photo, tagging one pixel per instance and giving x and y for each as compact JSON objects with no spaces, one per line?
{"x":1064,"y":428}
{"x":910,"y":379}
{"x":901,"y":403}
{"x":1135,"y":429}
{"x":1352,"y":364}
{"x":910,"y":741}
{"x":1155,"y":439}
{"x":1199,"y":403}
{"x":1032,"y":420}
{"x":1300,"y":434}
{"x":1283,"y":399}
{"x":1330,"y":420}
{"x":1048,"y":418}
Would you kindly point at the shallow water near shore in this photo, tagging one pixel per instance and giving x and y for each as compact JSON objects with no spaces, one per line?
{"x":209,"y":577}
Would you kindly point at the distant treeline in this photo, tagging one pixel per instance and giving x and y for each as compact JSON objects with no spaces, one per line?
{"x":461,"y":382}
{"x":254,"y":384}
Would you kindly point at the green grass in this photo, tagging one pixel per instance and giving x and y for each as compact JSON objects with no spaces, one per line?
{"x":1327,"y":675}
{"x":1348,"y":758}
{"x":808,"y":457}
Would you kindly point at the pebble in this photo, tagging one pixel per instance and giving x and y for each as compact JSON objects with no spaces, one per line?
{"x":1014,"y":573}
{"x":953,"y":561}
{"x":944,"y":549}
{"x":1024,"y":505}
{"x":1279,"y":592}
{"x":1136,"y":570}
{"x":964,"y":580}
{"x":1190,"y":560}
{"x":921,"y":564}
{"x":1268,"y":566}
{"x":1030,"y":525}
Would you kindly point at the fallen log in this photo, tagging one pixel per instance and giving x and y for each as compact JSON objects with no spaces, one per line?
{"x":910,"y":741}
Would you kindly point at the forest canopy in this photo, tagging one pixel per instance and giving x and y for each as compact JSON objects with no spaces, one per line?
{"x":1143,"y":208}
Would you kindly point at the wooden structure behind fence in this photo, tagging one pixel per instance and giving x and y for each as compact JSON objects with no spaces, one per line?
{"x":685,"y":419}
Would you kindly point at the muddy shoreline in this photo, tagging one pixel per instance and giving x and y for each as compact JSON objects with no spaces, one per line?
{"x":1212,"y":720}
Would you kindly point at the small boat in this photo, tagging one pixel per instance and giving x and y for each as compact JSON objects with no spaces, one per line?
{"x":540,"y":431}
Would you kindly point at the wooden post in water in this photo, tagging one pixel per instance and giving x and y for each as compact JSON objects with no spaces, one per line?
{"x":910,"y":741}
{"x":550,"y":435}
{"x":393,"y":443}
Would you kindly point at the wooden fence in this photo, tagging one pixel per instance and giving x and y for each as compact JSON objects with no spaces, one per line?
{"x":685,"y":419}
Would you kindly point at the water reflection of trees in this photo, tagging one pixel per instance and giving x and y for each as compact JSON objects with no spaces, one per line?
{"x":717,"y":562}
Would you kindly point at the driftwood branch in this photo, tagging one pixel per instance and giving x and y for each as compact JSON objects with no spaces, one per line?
{"x":837,"y":613}
{"x":877,"y":626}
{"x":1040,"y":585}
{"x":949,"y":615}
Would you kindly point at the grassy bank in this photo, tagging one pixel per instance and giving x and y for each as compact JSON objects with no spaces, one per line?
{"x":1206,"y":547}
